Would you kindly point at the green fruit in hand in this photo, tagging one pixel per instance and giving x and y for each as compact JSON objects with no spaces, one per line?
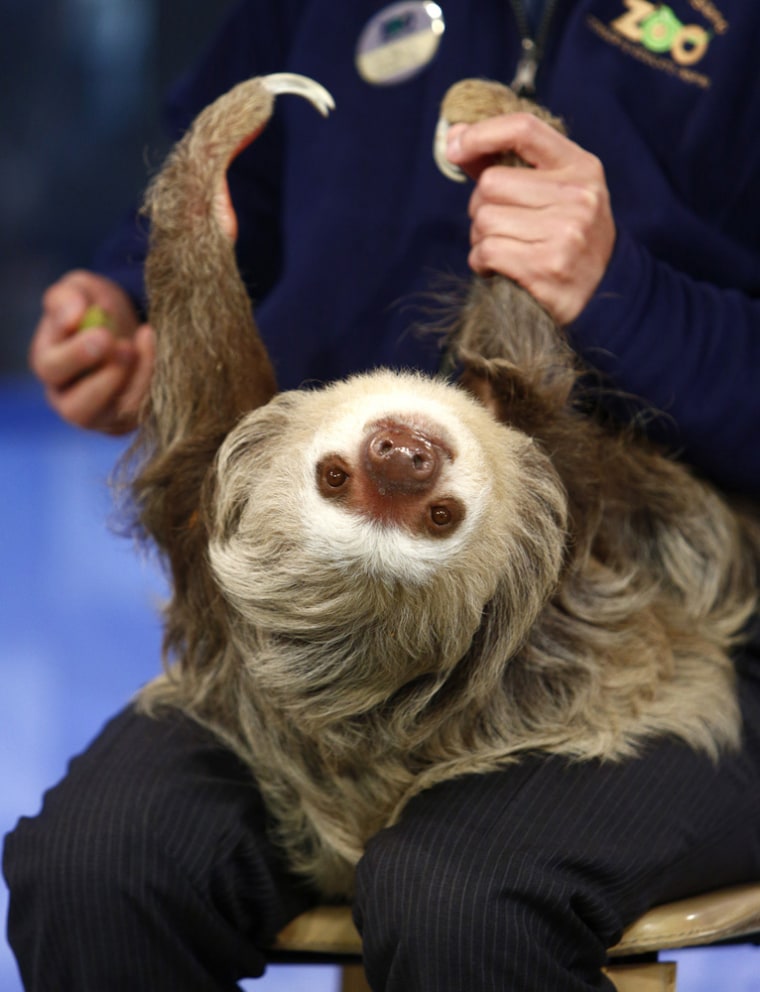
{"x":95,"y":316}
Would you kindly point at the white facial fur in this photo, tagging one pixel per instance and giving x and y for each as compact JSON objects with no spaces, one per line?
{"x":340,"y":535}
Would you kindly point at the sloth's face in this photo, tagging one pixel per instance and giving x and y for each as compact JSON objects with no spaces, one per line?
{"x":396,"y":471}
{"x":391,"y":470}
{"x":390,"y":475}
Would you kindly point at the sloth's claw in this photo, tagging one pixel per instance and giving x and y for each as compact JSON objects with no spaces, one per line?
{"x":291,"y":82}
{"x":449,"y":170}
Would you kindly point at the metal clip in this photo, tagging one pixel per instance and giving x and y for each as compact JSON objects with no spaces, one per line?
{"x":524,"y":83}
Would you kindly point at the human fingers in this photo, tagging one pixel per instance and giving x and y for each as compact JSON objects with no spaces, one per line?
{"x":531,"y":189}
{"x":58,"y":360}
{"x":85,"y":299}
{"x":474,"y":146}
{"x":109,"y":397}
{"x":91,"y":400}
{"x":63,"y":307}
{"x":524,"y":203}
{"x":559,"y":273}
{"x":550,"y":228}
{"x":557,"y":246}
{"x":60,"y":350}
{"x":564,"y":217}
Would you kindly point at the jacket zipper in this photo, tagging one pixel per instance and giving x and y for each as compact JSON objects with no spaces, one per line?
{"x":524,"y":83}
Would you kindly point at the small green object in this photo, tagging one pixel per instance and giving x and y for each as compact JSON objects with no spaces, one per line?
{"x":95,"y":316}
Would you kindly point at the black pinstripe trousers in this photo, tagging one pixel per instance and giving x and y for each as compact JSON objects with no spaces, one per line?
{"x":148,"y":867}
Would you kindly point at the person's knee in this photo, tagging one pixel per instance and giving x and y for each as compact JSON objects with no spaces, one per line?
{"x":440,"y":890}
{"x":428,"y":910}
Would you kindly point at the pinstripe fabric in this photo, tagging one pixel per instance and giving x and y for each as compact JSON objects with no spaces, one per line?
{"x":519,"y":880}
{"x":148,"y":867}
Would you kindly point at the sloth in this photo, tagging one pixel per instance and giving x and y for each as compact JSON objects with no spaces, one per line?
{"x":382,"y":583}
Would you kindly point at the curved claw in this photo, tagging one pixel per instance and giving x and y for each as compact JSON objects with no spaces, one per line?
{"x":291,"y":82}
{"x":449,"y":170}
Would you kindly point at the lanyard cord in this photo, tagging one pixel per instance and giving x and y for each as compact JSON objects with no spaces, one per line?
{"x":524,"y":83}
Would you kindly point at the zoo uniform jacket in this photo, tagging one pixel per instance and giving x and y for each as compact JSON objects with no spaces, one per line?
{"x":347,"y":226}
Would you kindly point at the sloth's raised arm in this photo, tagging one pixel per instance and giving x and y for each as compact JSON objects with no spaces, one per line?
{"x":211,"y":365}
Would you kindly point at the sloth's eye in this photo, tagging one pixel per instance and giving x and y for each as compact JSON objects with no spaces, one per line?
{"x":335,"y":477}
{"x":440,"y":515}
{"x":442,"y":518}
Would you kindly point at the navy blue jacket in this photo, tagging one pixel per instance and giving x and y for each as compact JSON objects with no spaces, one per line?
{"x":347,"y":226}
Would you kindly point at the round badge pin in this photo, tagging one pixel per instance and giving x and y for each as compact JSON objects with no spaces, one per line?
{"x":398,"y":42}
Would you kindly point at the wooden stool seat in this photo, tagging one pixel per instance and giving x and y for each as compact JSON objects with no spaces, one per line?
{"x":728,"y":914}
{"x":324,"y":930}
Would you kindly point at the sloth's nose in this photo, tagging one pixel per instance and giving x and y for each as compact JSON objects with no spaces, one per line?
{"x":400,"y":459}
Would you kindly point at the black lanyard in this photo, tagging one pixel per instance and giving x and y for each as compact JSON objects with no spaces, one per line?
{"x":533,"y":20}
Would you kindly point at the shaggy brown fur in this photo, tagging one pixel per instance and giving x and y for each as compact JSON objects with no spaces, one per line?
{"x":514,"y":578}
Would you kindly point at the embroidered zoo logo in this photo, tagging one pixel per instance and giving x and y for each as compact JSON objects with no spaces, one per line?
{"x":657,"y":28}
{"x":656,"y":35}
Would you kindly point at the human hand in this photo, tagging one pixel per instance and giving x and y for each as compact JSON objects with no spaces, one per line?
{"x":95,"y":377}
{"x":549,"y":228}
